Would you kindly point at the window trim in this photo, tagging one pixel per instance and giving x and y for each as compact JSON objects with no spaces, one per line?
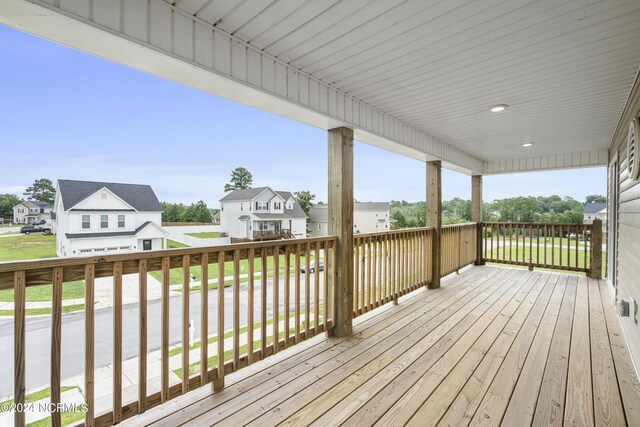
{"x":87,"y":222}
{"x":123,"y":217}
{"x":104,"y":224}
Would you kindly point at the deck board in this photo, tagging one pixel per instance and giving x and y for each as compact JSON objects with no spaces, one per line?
{"x":492,"y":346}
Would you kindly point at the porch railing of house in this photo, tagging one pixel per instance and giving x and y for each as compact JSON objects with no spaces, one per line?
{"x":299,"y":309}
{"x":386,"y":266}
{"x":570,"y":247}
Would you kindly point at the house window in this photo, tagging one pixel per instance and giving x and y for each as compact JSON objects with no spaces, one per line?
{"x":20,"y":210}
{"x":262,"y":206}
{"x":277,"y":206}
{"x":120,"y":221}
{"x":221,"y":207}
{"x":104,"y":221}
{"x":319,"y":226}
{"x":146,"y":245}
{"x":86,"y":221}
{"x":241,"y":206}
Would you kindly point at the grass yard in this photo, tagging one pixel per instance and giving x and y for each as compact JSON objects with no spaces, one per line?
{"x":205,"y":235}
{"x":540,"y":257}
{"x":172,"y":244}
{"x":33,"y":246}
{"x":175,"y":275}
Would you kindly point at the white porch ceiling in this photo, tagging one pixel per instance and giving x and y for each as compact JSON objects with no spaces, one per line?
{"x":430,"y":70}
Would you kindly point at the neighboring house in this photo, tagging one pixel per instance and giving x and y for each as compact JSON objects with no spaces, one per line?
{"x":105,"y":217}
{"x":215,"y":213}
{"x":31,"y":210}
{"x":596,"y":211}
{"x":261,"y":213}
{"x":368,"y":217}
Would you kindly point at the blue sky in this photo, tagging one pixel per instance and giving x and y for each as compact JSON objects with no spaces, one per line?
{"x":69,"y":115}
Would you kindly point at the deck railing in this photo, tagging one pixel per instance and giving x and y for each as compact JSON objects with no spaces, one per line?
{"x":571,"y":247}
{"x":299,"y":309}
{"x":458,"y":247}
{"x":388,"y":265}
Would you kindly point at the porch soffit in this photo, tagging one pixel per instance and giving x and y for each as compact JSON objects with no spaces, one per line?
{"x":413,"y":77}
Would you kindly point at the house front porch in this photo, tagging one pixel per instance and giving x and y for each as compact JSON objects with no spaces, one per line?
{"x":492,"y":346}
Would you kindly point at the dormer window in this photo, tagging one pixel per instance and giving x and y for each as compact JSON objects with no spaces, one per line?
{"x":262,"y":206}
{"x":289,"y":204}
{"x":277,"y":206}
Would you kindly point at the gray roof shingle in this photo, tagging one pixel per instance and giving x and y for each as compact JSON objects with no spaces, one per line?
{"x":140,"y":197}
{"x":594,"y":207}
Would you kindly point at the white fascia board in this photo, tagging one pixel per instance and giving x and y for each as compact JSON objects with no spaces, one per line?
{"x":216,"y":62}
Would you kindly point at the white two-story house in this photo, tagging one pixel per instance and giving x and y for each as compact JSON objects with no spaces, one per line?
{"x":103,"y":217}
{"x":32,"y":210}
{"x":368,"y":217}
{"x":261,"y":213}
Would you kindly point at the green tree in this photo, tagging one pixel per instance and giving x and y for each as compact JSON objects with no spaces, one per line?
{"x":571,"y":217}
{"x":399,"y":219}
{"x":241,"y":179}
{"x":305,"y":200}
{"x":7,"y":202}
{"x":197,"y":212}
{"x":594,"y":198}
{"x":41,"y":190}
{"x":173,"y":212}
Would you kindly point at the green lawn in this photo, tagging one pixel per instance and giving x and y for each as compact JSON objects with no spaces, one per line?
{"x":539,"y":258}
{"x":172,"y":244}
{"x":33,"y":246}
{"x":175,"y":275}
{"x":206,"y":235}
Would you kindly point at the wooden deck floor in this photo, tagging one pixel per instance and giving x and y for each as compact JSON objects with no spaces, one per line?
{"x":493,"y":346}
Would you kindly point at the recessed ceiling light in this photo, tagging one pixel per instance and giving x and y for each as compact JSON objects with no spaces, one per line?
{"x":527,"y":144}
{"x":498,"y":108}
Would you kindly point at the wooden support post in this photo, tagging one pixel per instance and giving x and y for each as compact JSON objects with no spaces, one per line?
{"x":596,"y":249}
{"x":476,"y":214}
{"x":341,"y":225}
{"x":434,"y":217}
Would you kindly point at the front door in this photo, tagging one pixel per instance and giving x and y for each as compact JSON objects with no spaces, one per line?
{"x":146,"y":245}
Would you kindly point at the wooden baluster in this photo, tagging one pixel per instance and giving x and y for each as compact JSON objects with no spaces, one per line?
{"x":537,"y":244}
{"x":236,"y":309}
{"x":219,"y":382}
{"x":356,"y":272}
{"x":287,"y":284}
{"x":325,"y":282}
{"x":553,"y":245}
{"x":297,"y":293}
{"x":276,"y":298}
{"x":19,"y":301}
{"x":142,"y":339}
{"x":316,"y":289}
{"x":361,"y":261}
{"x":545,"y":244}
{"x":560,"y":248}
{"x":117,"y":342}
{"x":164,"y":352}
{"x":56,"y":339}
{"x":204,"y":318}
{"x":263,"y":303}
{"x":186,"y":277}
{"x":577,"y":251}
{"x":89,"y":346}
{"x":584,"y":247}
{"x":510,"y":242}
{"x":530,"y":246}
{"x":250,"y":303}
{"x":379,"y":280}
{"x":307,"y":289}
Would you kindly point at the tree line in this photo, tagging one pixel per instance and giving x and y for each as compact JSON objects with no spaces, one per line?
{"x":551,"y":209}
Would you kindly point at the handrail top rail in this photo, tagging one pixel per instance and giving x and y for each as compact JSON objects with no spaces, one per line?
{"x":9,"y":266}
{"x":392,"y":232}
{"x":462,"y":224}
{"x":533,"y":223}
